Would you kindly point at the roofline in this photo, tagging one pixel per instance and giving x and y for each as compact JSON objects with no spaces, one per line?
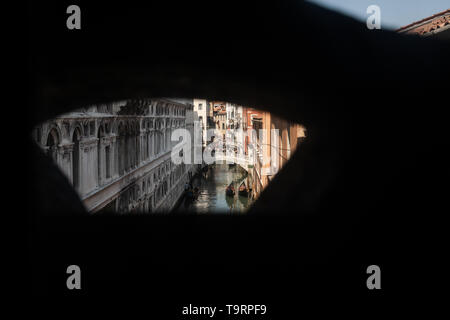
{"x":404,"y":28}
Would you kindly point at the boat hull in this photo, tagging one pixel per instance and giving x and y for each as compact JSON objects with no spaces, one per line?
{"x":229,"y":193}
{"x":243,"y":193}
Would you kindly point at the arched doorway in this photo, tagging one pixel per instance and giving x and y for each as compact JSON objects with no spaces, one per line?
{"x":52,"y":144}
{"x":76,"y":158}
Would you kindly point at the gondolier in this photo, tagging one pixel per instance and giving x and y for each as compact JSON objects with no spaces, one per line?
{"x":230,"y":190}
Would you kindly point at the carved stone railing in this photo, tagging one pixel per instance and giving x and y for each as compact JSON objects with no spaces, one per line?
{"x":100,"y":197}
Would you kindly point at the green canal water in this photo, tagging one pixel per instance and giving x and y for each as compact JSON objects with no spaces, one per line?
{"x":212,"y":197}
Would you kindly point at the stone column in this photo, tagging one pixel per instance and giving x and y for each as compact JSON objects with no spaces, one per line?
{"x":59,"y":157}
{"x":111,"y":156}
{"x":82,"y":168}
{"x":141,"y":147}
{"x":115,"y":156}
{"x":100,"y":160}
{"x":67,"y":157}
{"x":163,"y":140}
{"x":151,"y":145}
{"x":154,"y":146}
{"x":94,"y":166}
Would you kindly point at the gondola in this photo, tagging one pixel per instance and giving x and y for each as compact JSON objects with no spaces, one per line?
{"x":196,"y":193}
{"x":189,"y":194}
{"x":230,"y":190}
{"x":243,"y":190}
{"x":192,"y":194}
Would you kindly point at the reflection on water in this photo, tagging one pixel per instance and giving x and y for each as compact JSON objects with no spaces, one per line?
{"x":212,"y":197}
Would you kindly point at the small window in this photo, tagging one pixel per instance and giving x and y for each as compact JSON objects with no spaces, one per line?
{"x":92,"y":128}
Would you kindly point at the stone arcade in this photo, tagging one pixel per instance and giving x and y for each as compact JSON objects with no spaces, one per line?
{"x":118,"y":156}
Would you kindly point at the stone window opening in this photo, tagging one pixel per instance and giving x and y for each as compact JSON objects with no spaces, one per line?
{"x":92,"y":128}
{"x":52,"y":144}
{"x":76,"y":159}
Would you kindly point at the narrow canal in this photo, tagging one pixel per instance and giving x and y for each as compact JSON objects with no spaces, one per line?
{"x":212,"y":186}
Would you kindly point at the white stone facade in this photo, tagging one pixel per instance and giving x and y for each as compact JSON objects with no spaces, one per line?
{"x":118,"y":156}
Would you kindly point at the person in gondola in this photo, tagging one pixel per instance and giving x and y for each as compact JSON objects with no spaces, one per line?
{"x":230,"y":190}
{"x":196,"y":193}
{"x":230,"y":202}
{"x":243,"y":191}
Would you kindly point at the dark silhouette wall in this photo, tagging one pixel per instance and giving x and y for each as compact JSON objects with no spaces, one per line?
{"x":368,"y":186}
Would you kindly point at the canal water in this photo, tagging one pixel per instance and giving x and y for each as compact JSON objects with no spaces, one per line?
{"x":212,"y":197}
